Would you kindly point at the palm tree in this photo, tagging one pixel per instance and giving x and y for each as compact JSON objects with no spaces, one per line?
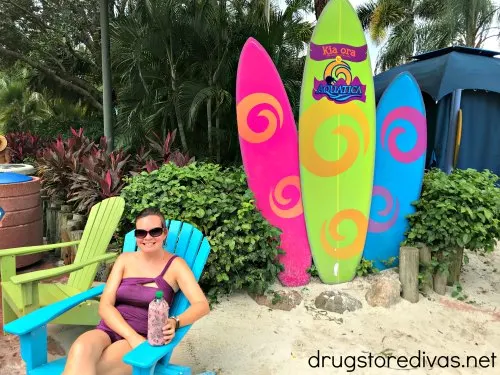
{"x":470,"y":22}
{"x":21,"y":108}
{"x":409,"y":27}
{"x":319,"y":5}
{"x":285,"y":40}
{"x":210,"y":67}
{"x":149,"y":54}
{"x":169,"y":68}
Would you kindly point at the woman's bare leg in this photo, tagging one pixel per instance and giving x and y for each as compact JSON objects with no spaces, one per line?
{"x":111,"y":361}
{"x":85,"y":353}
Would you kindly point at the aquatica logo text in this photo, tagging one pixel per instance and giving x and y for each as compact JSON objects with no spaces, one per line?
{"x":338,"y":83}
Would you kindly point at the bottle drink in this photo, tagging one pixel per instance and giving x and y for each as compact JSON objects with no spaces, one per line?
{"x":157,"y":317}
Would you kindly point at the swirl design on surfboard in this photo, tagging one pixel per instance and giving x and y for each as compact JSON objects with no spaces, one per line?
{"x":356,"y":245}
{"x":375,"y":226}
{"x":313,"y":118}
{"x":277,"y":195}
{"x":251,"y":109}
{"x":418,"y":121}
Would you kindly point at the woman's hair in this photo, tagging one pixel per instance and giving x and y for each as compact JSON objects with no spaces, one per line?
{"x":151,"y":211}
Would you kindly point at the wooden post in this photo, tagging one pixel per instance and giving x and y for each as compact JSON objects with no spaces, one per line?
{"x":63,"y":216}
{"x":456,"y":266}
{"x":45,"y":206}
{"x":74,"y":236}
{"x":426,"y":262}
{"x":51,"y":232}
{"x":440,"y":282}
{"x":408,"y":272}
{"x":79,"y":221}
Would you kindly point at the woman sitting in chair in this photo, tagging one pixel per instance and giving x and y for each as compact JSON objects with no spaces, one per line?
{"x":124,"y":303}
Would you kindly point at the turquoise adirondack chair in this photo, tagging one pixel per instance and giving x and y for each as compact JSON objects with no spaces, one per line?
{"x":184,"y":240}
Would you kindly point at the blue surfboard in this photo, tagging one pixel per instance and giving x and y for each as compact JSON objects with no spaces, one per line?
{"x":399,"y":168}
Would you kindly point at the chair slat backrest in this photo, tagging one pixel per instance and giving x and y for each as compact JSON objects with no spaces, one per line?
{"x":186,"y":241}
{"x":102,"y":222}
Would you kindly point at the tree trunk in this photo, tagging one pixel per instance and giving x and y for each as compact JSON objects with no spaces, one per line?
{"x":107,"y":101}
{"x":173,"y":78}
{"x":180,"y":126}
{"x":217,"y":130}
{"x":319,"y":5}
{"x":178,"y":115}
{"x":209,"y":125}
{"x":268,"y":11}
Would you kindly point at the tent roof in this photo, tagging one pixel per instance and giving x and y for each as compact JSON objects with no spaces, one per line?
{"x":440,"y":72}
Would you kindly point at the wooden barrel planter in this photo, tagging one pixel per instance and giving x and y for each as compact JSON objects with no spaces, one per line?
{"x":21,"y":222}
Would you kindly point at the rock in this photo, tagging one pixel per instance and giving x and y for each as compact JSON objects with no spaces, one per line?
{"x":384,"y":291}
{"x":337,"y":302}
{"x":281,"y":300}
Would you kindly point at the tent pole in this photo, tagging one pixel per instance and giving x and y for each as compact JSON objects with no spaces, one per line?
{"x":452,"y":129}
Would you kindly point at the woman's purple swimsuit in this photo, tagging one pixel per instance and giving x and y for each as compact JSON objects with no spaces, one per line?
{"x":133,"y":298}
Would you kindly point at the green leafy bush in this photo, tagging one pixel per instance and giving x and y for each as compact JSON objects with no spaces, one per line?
{"x":244,"y":246}
{"x":459,"y":210}
{"x":366,"y":267}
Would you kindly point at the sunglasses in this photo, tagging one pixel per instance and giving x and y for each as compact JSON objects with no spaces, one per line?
{"x":155,"y":232}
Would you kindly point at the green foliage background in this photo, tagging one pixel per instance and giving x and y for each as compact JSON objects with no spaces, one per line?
{"x":244,"y":246}
{"x":459,"y":210}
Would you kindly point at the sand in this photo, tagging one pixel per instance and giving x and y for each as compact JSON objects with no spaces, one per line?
{"x":240,"y":336}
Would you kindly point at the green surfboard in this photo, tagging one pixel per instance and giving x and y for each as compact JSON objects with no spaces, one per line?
{"x":337,"y":142}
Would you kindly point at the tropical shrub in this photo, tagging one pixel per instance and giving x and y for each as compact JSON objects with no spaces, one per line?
{"x":456,"y":211}
{"x":24,"y":146}
{"x":160,"y":151}
{"x":100,"y":177}
{"x":244,"y":246}
{"x":82,"y":172}
{"x":59,"y":161}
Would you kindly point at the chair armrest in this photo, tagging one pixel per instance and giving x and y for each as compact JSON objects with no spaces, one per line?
{"x":57,"y":271}
{"x":35,"y":249}
{"x":44,"y":315}
{"x":146,"y":355}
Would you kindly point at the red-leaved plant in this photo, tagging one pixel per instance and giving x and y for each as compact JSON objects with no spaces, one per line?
{"x":101,"y":177}
{"x":59,"y":160}
{"x":164,"y":152}
{"x":79,"y":171}
{"x":24,"y":145}
{"x":160,"y":152}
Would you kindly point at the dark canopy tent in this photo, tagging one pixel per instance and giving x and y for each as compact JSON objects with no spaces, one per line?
{"x":451,"y":79}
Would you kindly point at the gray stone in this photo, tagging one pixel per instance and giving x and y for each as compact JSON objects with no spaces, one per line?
{"x":384,"y":291}
{"x":280,"y":300}
{"x":337,"y":302}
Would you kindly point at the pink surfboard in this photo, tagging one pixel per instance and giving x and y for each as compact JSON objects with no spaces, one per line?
{"x":270,"y":152}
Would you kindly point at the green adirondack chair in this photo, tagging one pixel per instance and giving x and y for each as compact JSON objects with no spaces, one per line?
{"x":22,"y":294}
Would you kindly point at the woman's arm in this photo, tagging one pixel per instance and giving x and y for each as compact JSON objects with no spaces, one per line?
{"x":191,"y":289}
{"x":107,"y":309}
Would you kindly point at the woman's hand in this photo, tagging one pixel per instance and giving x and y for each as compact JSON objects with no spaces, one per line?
{"x":135,"y":340}
{"x":169,"y":330}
